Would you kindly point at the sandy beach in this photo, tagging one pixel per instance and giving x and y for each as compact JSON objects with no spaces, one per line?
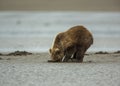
{"x":101,"y":69}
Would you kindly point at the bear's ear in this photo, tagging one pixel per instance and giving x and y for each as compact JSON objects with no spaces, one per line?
{"x":50,"y":50}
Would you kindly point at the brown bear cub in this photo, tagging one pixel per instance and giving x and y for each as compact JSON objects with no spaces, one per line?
{"x":71,"y":44}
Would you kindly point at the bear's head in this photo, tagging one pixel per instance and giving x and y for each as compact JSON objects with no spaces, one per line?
{"x":56,"y":54}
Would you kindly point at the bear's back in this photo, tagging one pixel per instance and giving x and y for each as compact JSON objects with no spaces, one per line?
{"x":78,"y":34}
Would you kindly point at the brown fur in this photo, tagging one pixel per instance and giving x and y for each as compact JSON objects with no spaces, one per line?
{"x":73,"y":42}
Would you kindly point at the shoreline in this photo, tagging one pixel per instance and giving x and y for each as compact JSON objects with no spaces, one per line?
{"x":25,"y":53}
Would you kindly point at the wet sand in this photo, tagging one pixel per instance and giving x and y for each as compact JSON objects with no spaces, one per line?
{"x":98,"y":69}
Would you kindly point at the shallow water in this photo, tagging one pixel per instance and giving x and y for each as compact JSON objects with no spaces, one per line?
{"x":34,"y":31}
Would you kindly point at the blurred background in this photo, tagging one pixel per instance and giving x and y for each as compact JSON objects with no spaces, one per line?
{"x":31,"y":25}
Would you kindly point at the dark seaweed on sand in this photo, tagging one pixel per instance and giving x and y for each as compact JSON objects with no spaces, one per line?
{"x":101,"y":52}
{"x":19,"y":53}
{"x":1,"y":54}
{"x":117,"y":52}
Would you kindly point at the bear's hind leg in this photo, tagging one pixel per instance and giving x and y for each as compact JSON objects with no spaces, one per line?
{"x":79,"y":55}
